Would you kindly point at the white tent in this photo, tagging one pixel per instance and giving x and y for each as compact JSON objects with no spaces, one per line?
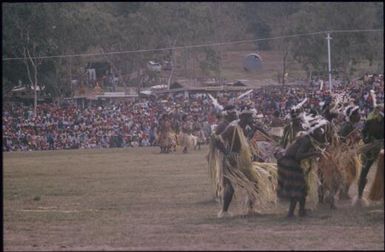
{"x":38,"y":88}
{"x":159,"y":87}
{"x":22,"y":88}
{"x":146,"y":92}
{"x":18,"y":89}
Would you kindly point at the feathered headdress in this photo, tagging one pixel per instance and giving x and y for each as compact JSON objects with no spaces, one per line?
{"x":225,"y":110}
{"x":311,"y":122}
{"x":317,"y":124}
{"x":299,"y":105}
{"x":245,"y":94}
{"x":308,"y":120}
{"x":248,"y":110}
{"x":295,"y":110}
{"x":349,"y":111}
{"x":215,"y":103}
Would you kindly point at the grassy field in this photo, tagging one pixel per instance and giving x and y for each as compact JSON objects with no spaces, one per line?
{"x":138,"y":199}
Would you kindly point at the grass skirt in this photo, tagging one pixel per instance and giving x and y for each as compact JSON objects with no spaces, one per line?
{"x":298,"y":180}
{"x":377,"y":189}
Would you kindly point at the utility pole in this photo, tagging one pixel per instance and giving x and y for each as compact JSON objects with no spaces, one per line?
{"x":329,"y":63}
{"x":72,"y":88}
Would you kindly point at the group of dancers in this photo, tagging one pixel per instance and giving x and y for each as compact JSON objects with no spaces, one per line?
{"x":317,"y":156}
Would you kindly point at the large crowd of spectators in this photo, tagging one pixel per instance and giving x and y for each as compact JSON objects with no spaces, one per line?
{"x":135,"y":123}
{"x":68,"y":126}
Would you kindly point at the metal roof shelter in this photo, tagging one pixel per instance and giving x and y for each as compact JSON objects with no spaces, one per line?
{"x":252,"y":62}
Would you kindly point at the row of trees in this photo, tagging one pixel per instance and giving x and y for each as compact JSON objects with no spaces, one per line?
{"x":348,"y":49}
{"x":31,"y":30}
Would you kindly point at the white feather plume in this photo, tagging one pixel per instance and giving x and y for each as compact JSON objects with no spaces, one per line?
{"x":321,"y":123}
{"x":346,"y":111}
{"x":299,"y":105}
{"x":234,"y":123}
{"x":215,"y":103}
{"x":352,"y":109}
{"x":245,"y":94}
{"x":309,"y":119}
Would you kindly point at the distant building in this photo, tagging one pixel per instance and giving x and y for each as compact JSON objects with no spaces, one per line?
{"x":154,"y":66}
{"x":97,"y":70}
{"x":26,"y":94}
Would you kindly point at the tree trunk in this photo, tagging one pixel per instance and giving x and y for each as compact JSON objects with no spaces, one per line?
{"x":284,"y":67}
{"x":35,"y":91}
{"x":70,"y":72}
{"x":32,"y":81}
{"x":173,"y":65}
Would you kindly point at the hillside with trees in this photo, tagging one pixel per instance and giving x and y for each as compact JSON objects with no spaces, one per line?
{"x":39,"y":37}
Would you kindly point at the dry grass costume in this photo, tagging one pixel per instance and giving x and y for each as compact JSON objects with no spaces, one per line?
{"x":339,"y":165}
{"x":236,"y":168}
{"x":349,"y":161}
{"x":215,"y":156}
{"x":165,"y":134}
{"x":373,"y":137}
{"x":265,"y":175}
{"x":185,"y":138}
{"x":377,"y":190}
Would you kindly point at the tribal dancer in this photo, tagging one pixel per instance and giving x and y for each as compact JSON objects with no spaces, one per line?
{"x":186,"y":140}
{"x":165,"y":140}
{"x":264,"y":175}
{"x":291,"y":130}
{"x":373,"y":137}
{"x":215,"y":157}
{"x":349,"y":137}
{"x":198,"y":132}
{"x":237,"y":166}
{"x":293,"y":179}
{"x":339,"y":165}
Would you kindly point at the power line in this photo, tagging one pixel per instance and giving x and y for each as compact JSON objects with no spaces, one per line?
{"x":193,"y":46}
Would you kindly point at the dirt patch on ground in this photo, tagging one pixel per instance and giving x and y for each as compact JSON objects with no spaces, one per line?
{"x":138,"y":199}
